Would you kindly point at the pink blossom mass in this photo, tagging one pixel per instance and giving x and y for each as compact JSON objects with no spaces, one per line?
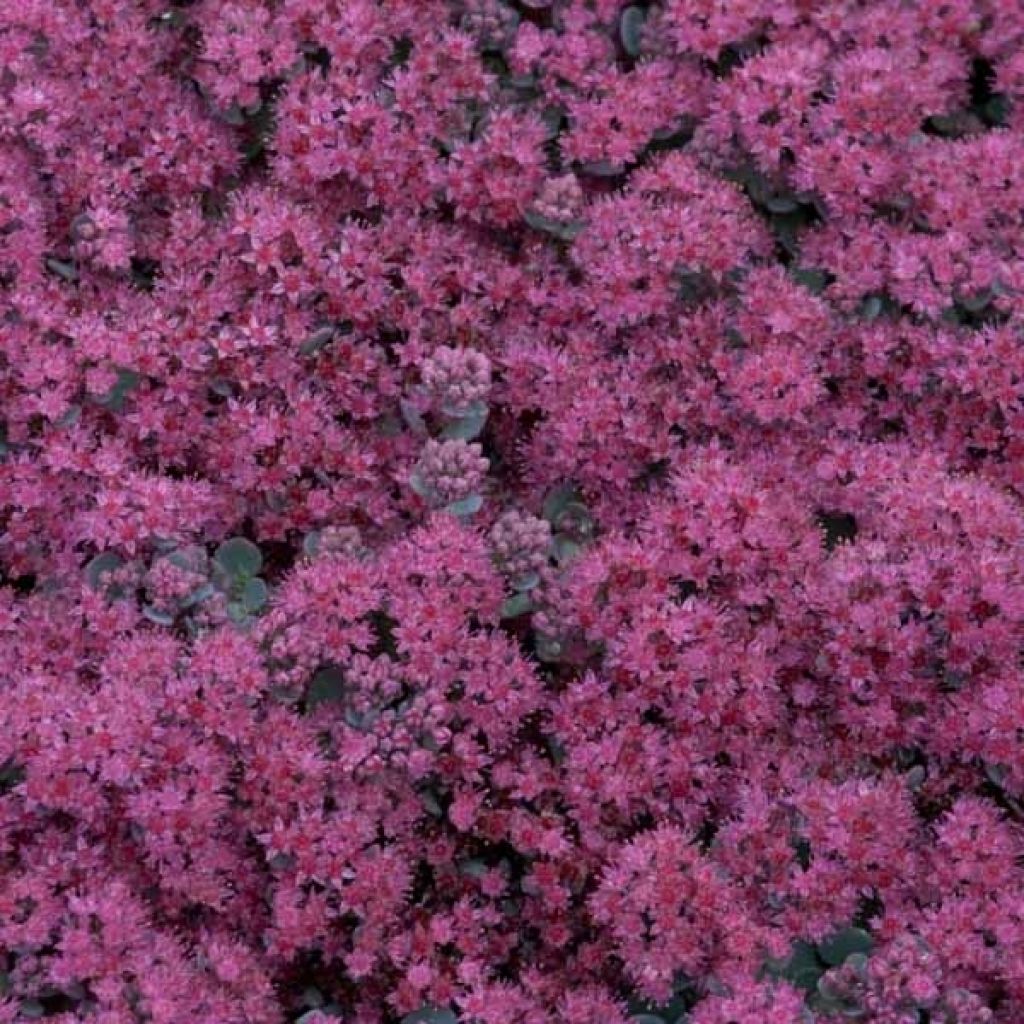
{"x":512,"y":511}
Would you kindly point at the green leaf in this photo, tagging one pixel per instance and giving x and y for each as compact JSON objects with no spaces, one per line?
{"x":871,"y":307}
{"x":996,"y":774}
{"x":69,"y":419}
{"x":319,"y":339}
{"x":430,"y":1015}
{"x":548,"y":648}
{"x":802,"y":968}
{"x":62,"y":269}
{"x":127,"y":381}
{"x":254,"y":594}
{"x":199,"y":595}
{"x":99,"y":566}
{"x":565,"y":230}
{"x":554,"y":120}
{"x":237,"y":612}
{"x":157,"y":616}
{"x":12,"y":774}
{"x":565,"y":549}
{"x":782,"y":204}
{"x":977,"y":302}
{"x":835,"y":949}
{"x":412,"y":416}
{"x":466,"y":507}
{"x":813,"y":279}
{"x":328,"y":684}
{"x":516,"y":605}
{"x":420,"y":486}
{"x":575,"y":520}
{"x":527,"y":582}
{"x":473,"y":868}
{"x":557,"y":500}
{"x":602,"y":169}
{"x":239,"y":557}
{"x":539,"y":222}
{"x":631,"y":26}
{"x":465,"y":427}
{"x":191,"y":559}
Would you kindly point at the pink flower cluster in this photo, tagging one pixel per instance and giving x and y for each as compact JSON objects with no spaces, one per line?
{"x":520,"y":542}
{"x":451,"y":470}
{"x":512,"y":511}
{"x":459,"y":379}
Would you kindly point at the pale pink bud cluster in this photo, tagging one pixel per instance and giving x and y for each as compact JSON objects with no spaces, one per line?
{"x":452,"y":470}
{"x":520,"y":542}
{"x":963,"y":1007}
{"x":168,"y":584}
{"x":340,"y":540}
{"x":561,"y":199}
{"x":458,"y":378}
{"x":903,"y":975}
{"x":492,"y":23}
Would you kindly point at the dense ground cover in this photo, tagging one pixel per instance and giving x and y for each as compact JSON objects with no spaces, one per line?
{"x":511,"y":511}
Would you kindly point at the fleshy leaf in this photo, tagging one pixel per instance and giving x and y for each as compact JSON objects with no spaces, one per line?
{"x":516,"y":605}
{"x":327,"y":684}
{"x":835,"y":949}
{"x":465,"y":427}
{"x":557,"y":501}
{"x":157,"y":616}
{"x":420,"y":486}
{"x":631,"y":28}
{"x":565,"y":230}
{"x":466,"y":507}
{"x":237,"y":612}
{"x":412,"y":416}
{"x":565,"y":549}
{"x":239,"y":557}
{"x":527,"y":582}
{"x":199,"y":595}
{"x":430,"y":1015}
{"x":254,"y":594}
{"x":319,"y":339}
{"x":103,"y":563}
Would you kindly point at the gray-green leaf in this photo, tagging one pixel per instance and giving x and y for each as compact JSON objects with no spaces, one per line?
{"x":319,"y":339}
{"x":558,"y":500}
{"x":631,"y":26}
{"x":516,"y":605}
{"x":254,"y":594}
{"x":239,"y":557}
{"x":527,"y":582}
{"x":328,"y":684}
{"x":565,"y":549}
{"x":199,"y":595}
{"x":466,"y":507}
{"x":565,"y":230}
{"x":420,"y":486}
{"x":835,"y":949}
{"x":98,"y":567}
{"x":465,"y":427}
{"x":157,"y":616}
{"x":430,"y":1015}
{"x":412,"y":416}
